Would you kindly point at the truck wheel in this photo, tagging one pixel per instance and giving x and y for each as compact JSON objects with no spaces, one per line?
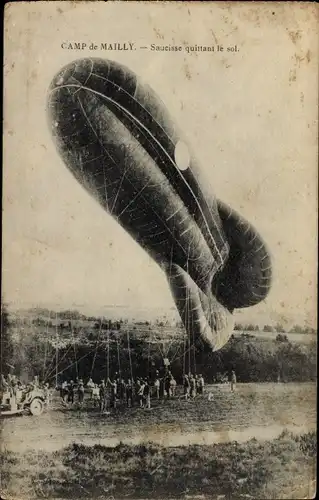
{"x":36,"y":406}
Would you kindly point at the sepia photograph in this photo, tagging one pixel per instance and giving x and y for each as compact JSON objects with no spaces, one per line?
{"x":159,"y":255}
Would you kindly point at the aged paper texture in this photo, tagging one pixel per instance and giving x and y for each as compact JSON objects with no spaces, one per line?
{"x":159,"y":322}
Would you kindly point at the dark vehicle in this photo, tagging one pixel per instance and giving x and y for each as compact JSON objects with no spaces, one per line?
{"x":26,"y":401}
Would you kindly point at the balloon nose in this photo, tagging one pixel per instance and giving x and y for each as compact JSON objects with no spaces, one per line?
{"x":73,"y":76}
{"x":64,"y":104}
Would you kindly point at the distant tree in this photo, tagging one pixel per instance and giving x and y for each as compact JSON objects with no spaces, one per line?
{"x":69,"y":314}
{"x":279,"y":328}
{"x":238,"y":326}
{"x":268,"y":328}
{"x":281,"y":337}
{"x":250,"y":327}
{"x":6,"y":340}
{"x":309,"y":329}
{"x":297,"y":329}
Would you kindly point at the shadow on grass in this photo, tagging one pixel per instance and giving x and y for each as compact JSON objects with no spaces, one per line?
{"x":225,"y":471}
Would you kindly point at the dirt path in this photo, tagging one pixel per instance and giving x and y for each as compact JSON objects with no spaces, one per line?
{"x":167,"y":439}
{"x":261,"y":411}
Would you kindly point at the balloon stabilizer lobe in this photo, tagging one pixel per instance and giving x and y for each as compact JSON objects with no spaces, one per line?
{"x":118,"y":140}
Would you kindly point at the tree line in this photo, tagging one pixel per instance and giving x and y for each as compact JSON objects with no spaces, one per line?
{"x":254,"y":359}
{"x":67,"y":319}
{"x":279,"y":328}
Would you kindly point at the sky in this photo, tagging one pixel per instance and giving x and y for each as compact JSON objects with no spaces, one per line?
{"x":250,"y":117}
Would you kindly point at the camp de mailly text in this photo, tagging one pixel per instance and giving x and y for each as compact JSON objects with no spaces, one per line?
{"x":119,"y":46}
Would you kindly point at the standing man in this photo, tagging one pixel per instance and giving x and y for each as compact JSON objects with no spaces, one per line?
{"x":140,"y":393}
{"x":173,"y":386}
{"x":147,"y":394}
{"x":192,"y":381}
{"x":102,"y":396}
{"x":113,"y":386}
{"x":90,"y":385}
{"x":186,"y":384}
{"x":81,"y":392}
{"x":71,"y":392}
{"x":122,"y":387}
{"x":64,"y":391}
{"x":95,"y":395}
{"x":129,"y":393}
{"x":201,"y":384}
{"x":157,"y":384}
{"x":233,"y":381}
{"x":168,"y":385}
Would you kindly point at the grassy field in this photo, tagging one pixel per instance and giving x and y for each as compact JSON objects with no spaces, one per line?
{"x":281,"y":468}
{"x":67,"y":452}
{"x":252,"y":406}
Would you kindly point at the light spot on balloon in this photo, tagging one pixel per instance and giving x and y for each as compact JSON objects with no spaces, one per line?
{"x":181,"y":154}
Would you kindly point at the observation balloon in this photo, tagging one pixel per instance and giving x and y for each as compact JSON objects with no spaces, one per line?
{"x":117,"y":138}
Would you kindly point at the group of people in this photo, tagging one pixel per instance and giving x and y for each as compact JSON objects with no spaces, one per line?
{"x":109,"y":392}
{"x":113,"y":391}
{"x":120,"y":391}
{"x":193,"y":385}
{"x":116,"y":390}
{"x":68,"y":390}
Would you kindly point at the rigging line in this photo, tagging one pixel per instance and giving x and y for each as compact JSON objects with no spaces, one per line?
{"x":105,"y":190}
{"x":148,"y":356}
{"x":56,"y":350}
{"x":45,"y":348}
{"x":165,"y":153}
{"x":187,"y":350}
{"x":171,"y":255}
{"x":96,"y":346}
{"x":177,"y":352}
{"x":49,"y":368}
{"x":52,"y":358}
{"x":194,"y":353}
{"x":75,"y":353}
{"x":129,"y":354}
{"x":132,"y":96}
{"x":130,"y":182}
{"x":108,"y":356}
{"x":165,"y":347}
{"x":70,"y":365}
{"x":169,"y":344}
{"x":50,"y":371}
{"x":188,"y":316}
{"x":159,"y":346}
{"x":87,"y":78}
{"x":184,"y":356}
{"x":186,"y":328}
{"x":120,"y":184}
{"x":134,"y":198}
{"x":118,"y":355}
